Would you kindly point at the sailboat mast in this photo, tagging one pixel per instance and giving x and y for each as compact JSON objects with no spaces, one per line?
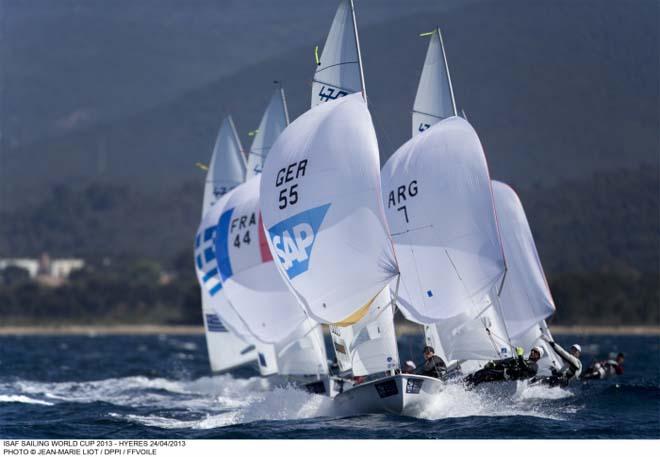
{"x":286,"y":108}
{"x":359,"y":54}
{"x":451,"y":86}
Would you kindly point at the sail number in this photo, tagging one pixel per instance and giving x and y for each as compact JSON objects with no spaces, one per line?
{"x":331,"y":93}
{"x":242,"y":226}
{"x":396,"y":198}
{"x":288,"y":195}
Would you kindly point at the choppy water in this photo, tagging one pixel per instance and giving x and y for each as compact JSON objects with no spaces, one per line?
{"x":160,"y":386}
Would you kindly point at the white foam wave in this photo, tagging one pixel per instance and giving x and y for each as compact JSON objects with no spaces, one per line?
{"x":455,"y":401}
{"x":285,"y":403}
{"x":23,"y":399}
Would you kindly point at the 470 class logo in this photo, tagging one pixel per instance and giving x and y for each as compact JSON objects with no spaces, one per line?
{"x":293,"y":239}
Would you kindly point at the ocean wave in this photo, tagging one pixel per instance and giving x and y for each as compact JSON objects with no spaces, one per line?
{"x":23,"y":399}
{"x":455,"y":401}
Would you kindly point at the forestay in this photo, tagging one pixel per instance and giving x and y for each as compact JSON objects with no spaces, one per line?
{"x":320,"y":197}
{"x":273,"y":122}
{"x":435,"y":95}
{"x":338,"y":71}
{"x":227,"y":167}
{"x":439,"y":207}
{"x":369,"y":346}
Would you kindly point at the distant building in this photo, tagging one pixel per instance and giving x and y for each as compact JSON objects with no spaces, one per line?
{"x":45,"y":269}
{"x":31,"y":265}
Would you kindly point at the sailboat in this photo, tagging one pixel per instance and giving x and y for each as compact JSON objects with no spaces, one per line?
{"x":526,"y":298}
{"x":256,"y":298}
{"x":226,"y":171}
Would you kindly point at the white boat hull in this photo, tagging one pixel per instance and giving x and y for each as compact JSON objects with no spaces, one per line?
{"x":403,"y":394}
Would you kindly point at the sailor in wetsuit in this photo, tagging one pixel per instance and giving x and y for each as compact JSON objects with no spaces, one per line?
{"x":571,"y":370}
{"x":433,"y":366}
{"x":605,"y":368}
{"x":511,"y":369}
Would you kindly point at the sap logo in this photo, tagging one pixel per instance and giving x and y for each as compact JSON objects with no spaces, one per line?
{"x":331,"y":93}
{"x":423,"y":126}
{"x":293,"y":239}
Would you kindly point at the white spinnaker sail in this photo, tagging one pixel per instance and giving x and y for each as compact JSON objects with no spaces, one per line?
{"x":338,"y":71}
{"x":369,"y":346}
{"x":320,"y":201}
{"x":526,"y":298}
{"x":435,"y":95}
{"x":263,"y":305}
{"x":439,"y":207}
{"x":227,"y":167}
{"x":274,"y":120}
{"x":533,"y":337}
{"x":215,"y":300}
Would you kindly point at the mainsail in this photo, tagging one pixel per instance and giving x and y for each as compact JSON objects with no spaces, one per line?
{"x":274,"y":120}
{"x":369,"y":346}
{"x":339,"y":70}
{"x":320,"y":201}
{"x":227,"y":167}
{"x":435,"y":95}
{"x":526,"y":298}
{"x":439,"y":207}
{"x":226,"y":171}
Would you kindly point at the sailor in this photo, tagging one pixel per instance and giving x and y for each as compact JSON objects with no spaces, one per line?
{"x":511,"y":369}
{"x":409,"y":367}
{"x":572,"y":366}
{"x":433,"y":366}
{"x":605,"y":368}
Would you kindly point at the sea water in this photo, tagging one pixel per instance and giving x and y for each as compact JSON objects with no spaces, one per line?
{"x":160,"y":386}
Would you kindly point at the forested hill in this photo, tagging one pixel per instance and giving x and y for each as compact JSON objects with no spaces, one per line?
{"x":607,"y":223}
{"x":555,"y":90}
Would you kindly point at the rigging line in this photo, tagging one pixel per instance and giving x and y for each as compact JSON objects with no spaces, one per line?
{"x":337,"y":64}
{"x":412,"y":230}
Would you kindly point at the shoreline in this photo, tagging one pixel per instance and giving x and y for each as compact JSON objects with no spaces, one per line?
{"x":126,"y":329}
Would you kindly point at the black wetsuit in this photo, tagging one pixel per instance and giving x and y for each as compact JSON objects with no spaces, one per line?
{"x":571,"y":370}
{"x":434,"y":367}
{"x":511,"y":369}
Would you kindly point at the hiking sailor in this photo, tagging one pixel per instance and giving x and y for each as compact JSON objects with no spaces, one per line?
{"x":511,"y":369}
{"x":572,"y":366}
{"x":434,"y":366}
{"x":605,"y":368}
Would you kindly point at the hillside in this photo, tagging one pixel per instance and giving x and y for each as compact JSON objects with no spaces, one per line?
{"x":555,"y":91}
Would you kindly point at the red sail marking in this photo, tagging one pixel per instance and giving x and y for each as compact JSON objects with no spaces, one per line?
{"x":263,"y":243}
